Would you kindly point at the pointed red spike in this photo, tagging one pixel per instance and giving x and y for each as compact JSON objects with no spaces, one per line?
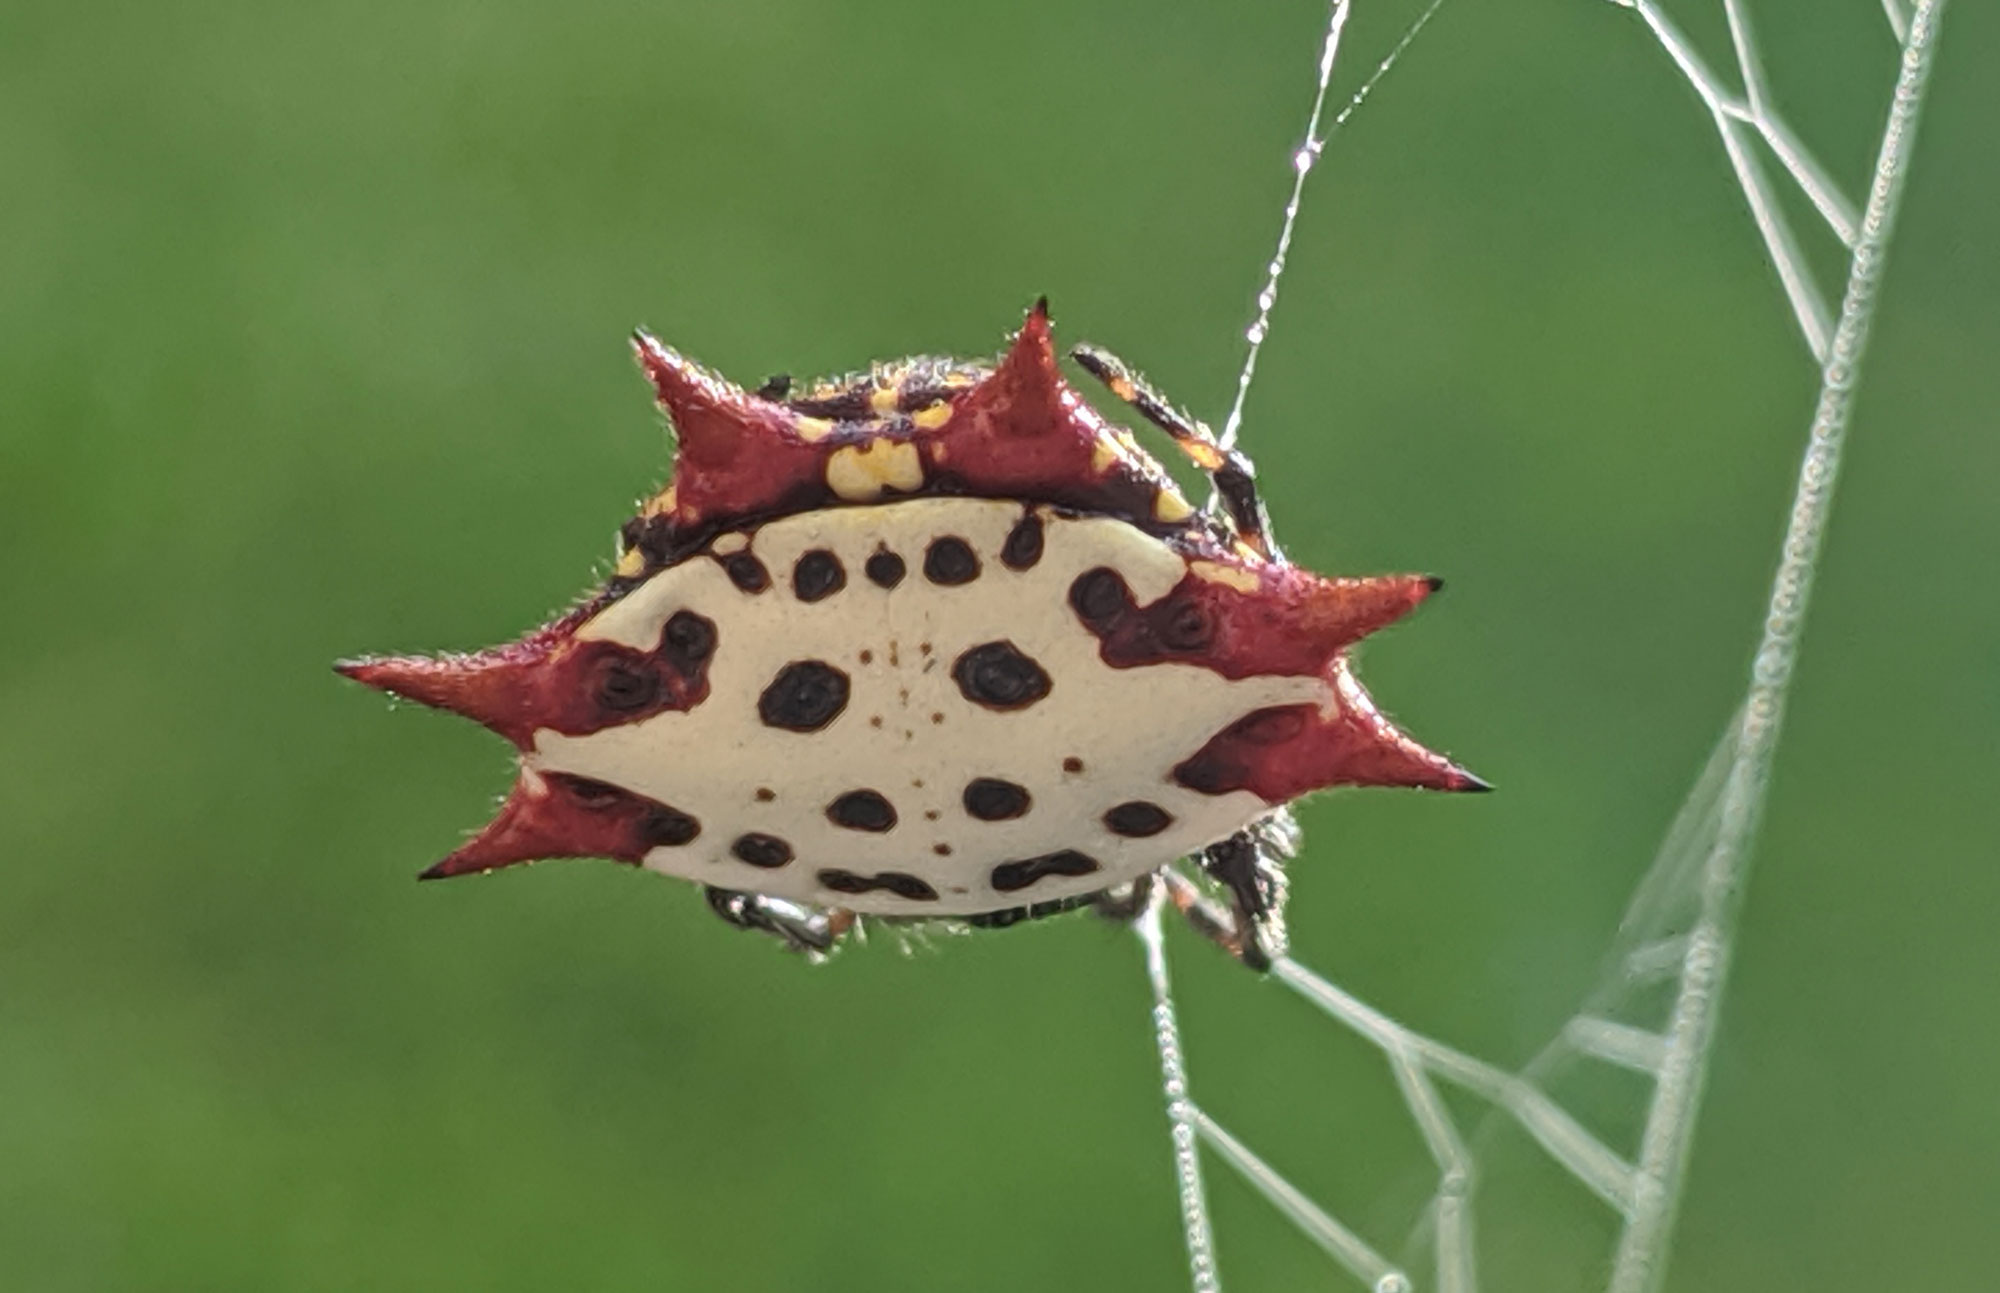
{"x":552,"y":817}
{"x":496,"y":688}
{"x":1372,"y":751}
{"x":737,"y":453}
{"x":1282,"y":753}
{"x":713,"y":419}
{"x":1025,"y":395}
{"x":1340,"y":612}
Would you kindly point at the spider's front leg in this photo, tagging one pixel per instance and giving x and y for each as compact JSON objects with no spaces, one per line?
{"x":803,"y":929}
{"x":1234,"y":475}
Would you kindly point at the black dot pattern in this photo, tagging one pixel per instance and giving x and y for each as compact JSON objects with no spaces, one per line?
{"x":862,"y":810}
{"x":667,"y":826}
{"x":761,"y":850}
{"x":1011,"y":877}
{"x":950,"y":561}
{"x":621,"y":688}
{"x":804,"y":697}
{"x":687,"y":639}
{"x":1098,"y":596}
{"x":885,"y":569}
{"x":1137,"y":819}
{"x":993,"y":800}
{"x":1023,"y":547}
{"x":817,"y":574}
{"x":900,"y":883}
{"x":999,"y":675}
{"x":746,"y":572}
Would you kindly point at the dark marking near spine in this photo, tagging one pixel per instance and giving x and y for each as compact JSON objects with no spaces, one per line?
{"x":993,"y":800}
{"x":950,"y":561}
{"x":1268,"y":726}
{"x":622,"y":688}
{"x":999,"y":675}
{"x":862,"y":810}
{"x":1010,"y":877}
{"x":1099,"y":596}
{"x":765,"y":794}
{"x":761,"y":850}
{"x":1186,"y":626}
{"x":1023,"y":547}
{"x":1230,"y":759}
{"x":817,"y":574}
{"x":1137,"y":819}
{"x":588,"y":791}
{"x":667,"y":826}
{"x":746,"y":572}
{"x":1210,"y":773}
{"x":942,"y":850}
{"x":900,"y":883}
{"x":636,"y":824}
{"x":1072,"y":764}
{"x":804,"y":697}
{"x":885,"y":569}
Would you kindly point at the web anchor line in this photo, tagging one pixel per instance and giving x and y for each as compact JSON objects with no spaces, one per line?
{"x":1682,"y":921}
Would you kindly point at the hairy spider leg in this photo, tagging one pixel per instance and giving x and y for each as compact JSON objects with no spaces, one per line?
{"x":1234,"y":475}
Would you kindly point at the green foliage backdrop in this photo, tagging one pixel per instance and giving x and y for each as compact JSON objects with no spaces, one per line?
{"x":312,"y":342}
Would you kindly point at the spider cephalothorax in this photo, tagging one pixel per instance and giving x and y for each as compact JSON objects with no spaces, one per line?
{"x":934,"y":641}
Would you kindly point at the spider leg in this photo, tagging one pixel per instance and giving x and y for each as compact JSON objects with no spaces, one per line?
{"x":1235,"y":476}
{"x":1249,"y":866}
{"x":1126,"y":902}
{"x":803,"y":929}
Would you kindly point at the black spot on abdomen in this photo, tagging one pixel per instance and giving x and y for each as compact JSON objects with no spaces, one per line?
{"x":804,"y":697}
{"x":761,"y":850}
{"x":999,"y":675}
{"x":900,"y":883}
{"x":885,"y":569}
{"x":746,"y":572}
{"x":1137,"y":819}
{"x":950,"y":561}
{"x":1099,"y":596}
{"x":687,"y":640}
{"x":817,"y":574}
{"x":1023,"y":547}
{"x":862,"y":810}
{"x":1011,"y":877}
{"x":993,"y":800}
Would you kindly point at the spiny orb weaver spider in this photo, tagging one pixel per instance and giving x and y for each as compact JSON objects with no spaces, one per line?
{"x":934,"y":641}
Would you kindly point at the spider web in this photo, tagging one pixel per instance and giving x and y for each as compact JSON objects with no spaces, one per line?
{"x":1655,"y":1010}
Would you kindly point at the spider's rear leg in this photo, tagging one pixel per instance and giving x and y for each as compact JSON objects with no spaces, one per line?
{"x":1234,"y":475}
{"x":803,"y":929}
{"x":1250,"y":868}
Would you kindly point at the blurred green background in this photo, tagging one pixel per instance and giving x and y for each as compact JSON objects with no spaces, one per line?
{"x":312,"y":329}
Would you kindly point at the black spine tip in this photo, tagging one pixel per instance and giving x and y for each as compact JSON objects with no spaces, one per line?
{"x":435,"y":871}
{"x":1474,"y":785}
{"x":1041,"y":305}
{"x":1436,"y":583}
